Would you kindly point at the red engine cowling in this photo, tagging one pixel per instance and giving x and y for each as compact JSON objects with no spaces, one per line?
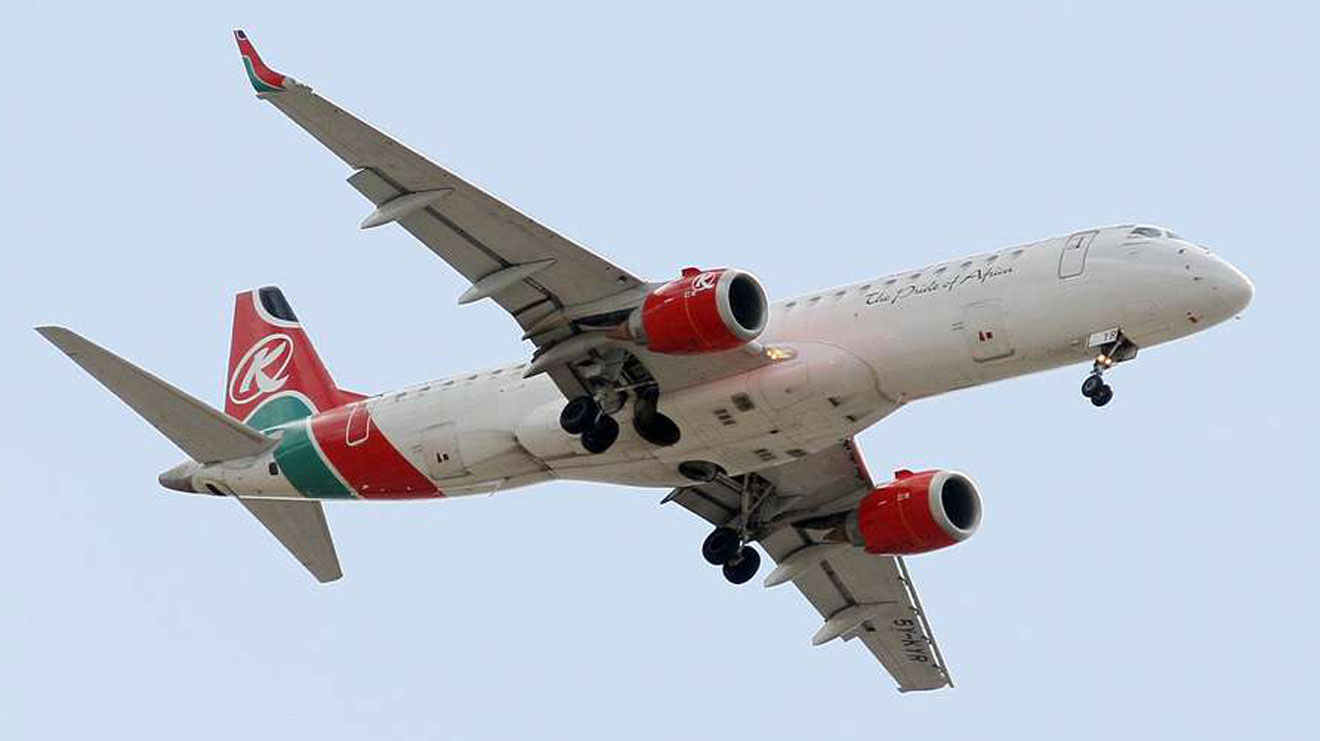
{"x":704,"y":311}
{"x":916,"y":513}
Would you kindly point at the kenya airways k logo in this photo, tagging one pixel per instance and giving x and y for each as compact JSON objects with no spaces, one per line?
{"x":705,"y":282}
{"x":262,"y":368}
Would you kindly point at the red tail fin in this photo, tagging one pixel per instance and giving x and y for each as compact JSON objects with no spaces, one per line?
{"x":274,"y":373}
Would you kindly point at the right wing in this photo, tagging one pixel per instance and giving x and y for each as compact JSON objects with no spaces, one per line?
{"x":549,"y":284}
{"x":528,"y":269}
{"x":858,"y":595}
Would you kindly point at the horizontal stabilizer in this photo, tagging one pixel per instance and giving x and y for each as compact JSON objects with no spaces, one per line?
{"x":205,"y":434}
{"x":301,"y":528}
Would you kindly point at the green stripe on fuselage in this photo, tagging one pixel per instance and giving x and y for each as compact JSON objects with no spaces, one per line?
{"x":297,"y":455}
{"x":303,"y":465}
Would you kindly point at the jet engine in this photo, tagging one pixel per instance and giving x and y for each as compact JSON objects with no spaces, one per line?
{"x":916,"y":513}
{"x":701,"y":312}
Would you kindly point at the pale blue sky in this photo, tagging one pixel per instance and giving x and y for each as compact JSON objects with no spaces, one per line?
{"x":1145,"y":570}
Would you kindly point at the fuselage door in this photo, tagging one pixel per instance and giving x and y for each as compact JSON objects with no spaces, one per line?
{"x":987,"y":339}
{"x":1073,"y":260}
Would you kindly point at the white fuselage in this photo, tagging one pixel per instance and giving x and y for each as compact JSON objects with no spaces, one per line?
{"x":852,"y":355}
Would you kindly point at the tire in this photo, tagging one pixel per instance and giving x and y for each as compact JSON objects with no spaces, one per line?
{"x":599,"y":438}
{"x":743,"y":566}
{"x":720,"y":546}
{"x":1091,"y":385}
{"x":579,"y":415}
{"x":1102,"y":395}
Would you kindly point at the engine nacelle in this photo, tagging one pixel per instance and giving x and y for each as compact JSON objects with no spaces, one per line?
{"x":916,"y":513}
{"x":702,"y":312}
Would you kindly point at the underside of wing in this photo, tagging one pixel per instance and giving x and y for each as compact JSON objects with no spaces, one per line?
{"x":860,"y":596}
{"x":565,"y":298}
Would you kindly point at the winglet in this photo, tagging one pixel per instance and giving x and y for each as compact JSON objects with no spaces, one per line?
{"x":263,"y":78}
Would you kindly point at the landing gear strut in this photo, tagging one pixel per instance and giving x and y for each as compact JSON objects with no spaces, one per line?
{"x":1094,"y":387}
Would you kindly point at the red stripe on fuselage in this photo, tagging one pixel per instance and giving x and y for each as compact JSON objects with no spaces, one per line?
{"x":365,"y":459}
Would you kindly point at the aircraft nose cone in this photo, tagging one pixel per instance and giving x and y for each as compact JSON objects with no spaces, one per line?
{"x":1235,"y":289}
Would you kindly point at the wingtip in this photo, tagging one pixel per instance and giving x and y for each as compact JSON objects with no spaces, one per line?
{"x":263,"y":78}
{"x":329,"y":578}
{"x":51,"y":331}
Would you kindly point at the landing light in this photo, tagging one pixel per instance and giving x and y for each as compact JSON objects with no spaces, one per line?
{"x":776,"y":353}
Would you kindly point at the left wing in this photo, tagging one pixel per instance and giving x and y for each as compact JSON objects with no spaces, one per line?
{"x":858,"y":595}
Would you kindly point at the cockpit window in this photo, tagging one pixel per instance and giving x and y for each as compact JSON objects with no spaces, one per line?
{"x":1147,"y":231}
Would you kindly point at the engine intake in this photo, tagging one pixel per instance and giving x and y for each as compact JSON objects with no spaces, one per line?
{"x":916,"y":513}
{"x":702,"y":312}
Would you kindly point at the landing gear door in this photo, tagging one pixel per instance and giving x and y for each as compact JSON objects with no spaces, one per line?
{"x":1073,"y":260}
{"x":983,"y":323}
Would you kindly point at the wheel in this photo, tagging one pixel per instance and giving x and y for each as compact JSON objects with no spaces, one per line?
{"x":1091,"y":385}
{"x":656,"y":429}
{"x":1102,"y":395}
{"x":720,"y":546}
{"x":600,"y":437}
{"x":743,"y":566}
{"x":579,"y":415}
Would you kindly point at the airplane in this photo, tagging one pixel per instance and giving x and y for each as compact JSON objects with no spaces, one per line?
{"x":745,"y":409}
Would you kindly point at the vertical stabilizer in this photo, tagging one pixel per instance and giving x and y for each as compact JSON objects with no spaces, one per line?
{"x":275,"y":375}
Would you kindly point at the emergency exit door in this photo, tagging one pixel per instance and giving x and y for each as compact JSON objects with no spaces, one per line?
{"x":983,"y":326}
{"x":1073,"y":260}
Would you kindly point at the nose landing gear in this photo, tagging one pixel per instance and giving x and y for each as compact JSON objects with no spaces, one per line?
{"x":1095,"y":389}
{"x":1117,"y":350}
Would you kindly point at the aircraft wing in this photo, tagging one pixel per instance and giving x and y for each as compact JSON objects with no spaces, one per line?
{"x":858,"y":595}
{"x":542,"y":279}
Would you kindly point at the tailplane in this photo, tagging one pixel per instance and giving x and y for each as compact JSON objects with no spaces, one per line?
{"x":275,"y":375}
{"x":206,"y":435}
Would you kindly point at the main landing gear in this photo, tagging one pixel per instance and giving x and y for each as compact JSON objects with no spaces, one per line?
{"x":728,"y":546}
{"x":724,"y":548}
{"x":1094,"y":387}
{"x":583,"y":416}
